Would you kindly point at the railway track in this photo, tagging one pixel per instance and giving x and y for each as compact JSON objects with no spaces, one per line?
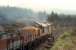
{"x":49,"y":42}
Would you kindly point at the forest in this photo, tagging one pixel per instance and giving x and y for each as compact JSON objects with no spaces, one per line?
{"x":62,"y":19}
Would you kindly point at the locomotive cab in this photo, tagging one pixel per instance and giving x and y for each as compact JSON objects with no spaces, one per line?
{"x":45,"y":27}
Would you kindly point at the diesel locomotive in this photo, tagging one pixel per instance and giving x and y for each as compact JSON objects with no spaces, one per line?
{"x":23,"y":36}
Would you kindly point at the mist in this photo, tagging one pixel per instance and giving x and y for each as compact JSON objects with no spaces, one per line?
{"x":9,"y":15}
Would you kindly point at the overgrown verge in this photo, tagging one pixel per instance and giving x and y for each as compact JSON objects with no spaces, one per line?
{"x":66,"y":41}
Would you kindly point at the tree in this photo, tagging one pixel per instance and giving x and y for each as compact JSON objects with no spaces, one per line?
{"x":53,"y":17}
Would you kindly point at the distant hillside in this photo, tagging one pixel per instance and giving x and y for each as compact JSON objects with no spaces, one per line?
{"x":13,"y":14}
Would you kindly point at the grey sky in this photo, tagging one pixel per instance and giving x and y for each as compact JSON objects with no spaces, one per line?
{"x":41,"y":5}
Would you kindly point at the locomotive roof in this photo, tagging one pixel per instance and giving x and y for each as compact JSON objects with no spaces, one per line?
{"x":44,"y":24}
{"x":30,"y":27}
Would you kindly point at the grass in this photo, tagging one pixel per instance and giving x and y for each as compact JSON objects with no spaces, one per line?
{"x":67,"y":41}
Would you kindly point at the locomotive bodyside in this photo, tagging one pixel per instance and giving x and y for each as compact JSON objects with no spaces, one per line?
{"x":30,"y":33}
